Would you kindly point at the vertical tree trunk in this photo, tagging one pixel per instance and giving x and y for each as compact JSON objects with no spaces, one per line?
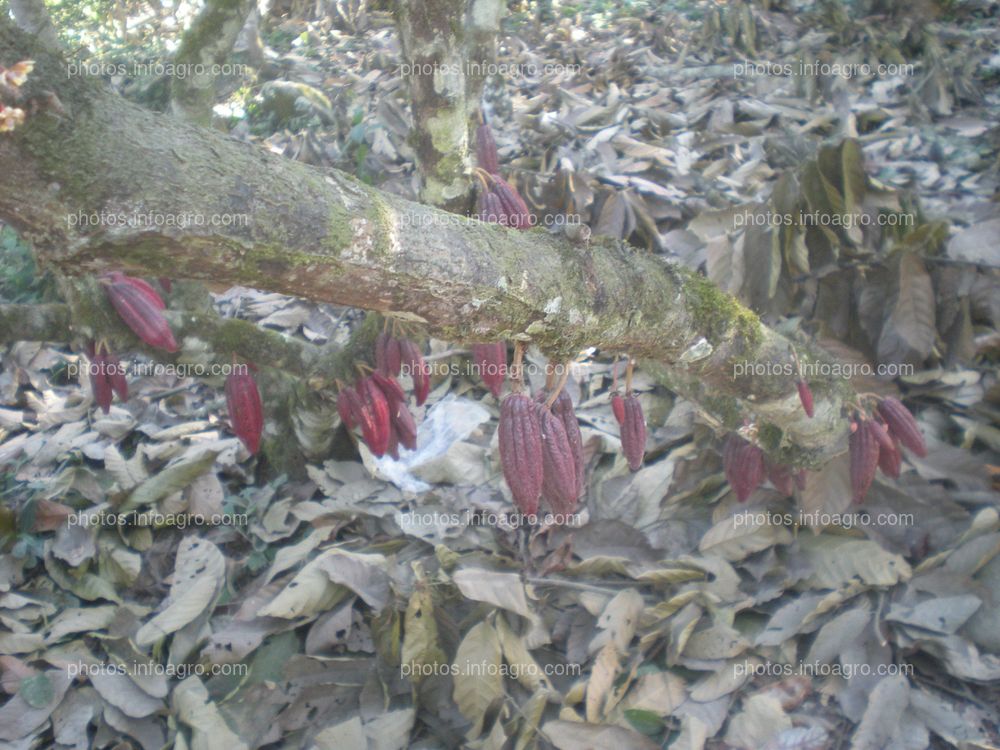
{"x":448,"y":46}
{"x":32,"y":16}
{"x":206,"y":43}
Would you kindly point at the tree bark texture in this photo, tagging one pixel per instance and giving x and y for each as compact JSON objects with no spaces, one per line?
{"x":325,"y":236}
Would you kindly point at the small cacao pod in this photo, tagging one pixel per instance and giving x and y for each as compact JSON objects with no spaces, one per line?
{"x":806,"y":397}
{"x":515,"y":211}
{"x":486,"y":150}
{"x":633,"y":432}
{"x":491,"y":361}
{"x":864,"y":451}
{"x":376,"y":422}
{"x":618,"y":407}
{"x":488,"y":208}
{"x":743,"y":463}
{"x":781,"y":477}
{"x":562,"y":407}
{"x":420,"y":371}
{"x":520,"y":439}
{"x":559,"y":476}
{"x":902,"y":425}
{"x":406,"y":428}
{"x":890,"y":460}
{"x":139,"y":313}
{"x":100,"y":383}
{"x":246,"y":411}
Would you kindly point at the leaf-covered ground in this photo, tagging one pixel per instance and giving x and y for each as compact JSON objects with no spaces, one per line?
{"x":382,"y":604}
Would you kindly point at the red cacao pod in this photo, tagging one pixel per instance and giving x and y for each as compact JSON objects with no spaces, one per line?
{"x":141,"y":284}
{"x":559,"y":476}
{"x":515,"y":211}
{"x":633,"y":432}
{"x":618,"y":407}
{"x":520,"y":438}
{"x":349,"y":407}
{"x":743,"y":463}
{"x":486,"y":150}
{"x":246,"y":411}
{"x":488,"y":208}
{"x":420,"y":371}
{"x":781,"y":477}
{"x":864,"y":451}
{"x":491,"y":361}
{"x":406,"y":428}
{"x":562,"y":407}
{"x":140,"y":314}
{"x":902,"y":425}
{"x":806,"y":397}
{"x":890,"y":460}
{"x":394,"y":394}
{"x":376,"y":417}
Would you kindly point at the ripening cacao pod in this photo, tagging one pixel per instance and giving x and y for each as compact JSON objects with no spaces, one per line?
{"x":139,"y":313}
{"x":376,"y":422}
{"x":781,"y":477}
{"x":520,"y":438}
{"x":420,"y":371}
{"x":486,"y":150}
{"x":141,"y":284}
{"x":743,"y":463}
{"x":633,"y":432}
{"x":618,"y":407}
{"x":562,"y":407}
{"x":890,"y":460}
{"x":806,"y":397}
{"x":559,"y":476}
{"x":394,"y":394}
{"x":491,"y":361}
{"x":246,"y":411}
{"x":406,"y":428}
{"x":349,"y":407}
{"x":488,"y":207}
{"x":864,"y":451}
{"x":515,"y":213}
{"x":902,"y":425}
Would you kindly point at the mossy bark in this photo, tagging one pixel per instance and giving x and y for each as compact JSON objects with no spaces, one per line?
{"x":325,"y":236}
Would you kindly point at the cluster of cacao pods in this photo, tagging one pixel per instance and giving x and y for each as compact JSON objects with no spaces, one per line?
{"x":541,"y":452}
{"x":377,"y":405}
{"x":141,"y":308}
{"x":746,"y":467}
{"x":498,"y":201}
{"x":491,"y":363}
{"x":246,"y":410}
{"x":877,"y":440}
{"x":632,"y":424}
{"x":107,"y":376}
{"x":393,"y":354}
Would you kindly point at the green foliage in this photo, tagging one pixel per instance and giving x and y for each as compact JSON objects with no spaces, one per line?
{"x":19,"y":279}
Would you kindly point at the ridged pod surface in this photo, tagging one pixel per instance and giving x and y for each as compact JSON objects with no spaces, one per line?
{"x":246,"y":410}
{"x":562,"y":407}
{"x":375,"y":426}
{"x":419,"y":369}
{"x":491,"y":360}
{"x":349,"y":407}
{"x":520,"y":438}
{"x":139,"y":313}
{"x":633,"y":432}
{"x":515,"y":211}
{"x":864,"y":451}
{"x":141,"y":284}
{"x":902,"y":425}
{"x":560,"y":486}
{"x":486,"y":150}
{"x":743,"y":463}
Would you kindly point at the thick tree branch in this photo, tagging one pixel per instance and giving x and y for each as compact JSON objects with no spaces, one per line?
{"x":328,"y":237}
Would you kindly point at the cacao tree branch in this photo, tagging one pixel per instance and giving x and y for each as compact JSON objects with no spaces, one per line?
{"x":106,"y":186}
